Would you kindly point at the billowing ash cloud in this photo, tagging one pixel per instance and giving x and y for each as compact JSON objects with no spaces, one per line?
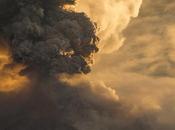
{"x":149,"y":47}
{"x":61,"y":106}
{"x":46,"y":38}
{"x":112,"y":17}
{"x":143,"y":70}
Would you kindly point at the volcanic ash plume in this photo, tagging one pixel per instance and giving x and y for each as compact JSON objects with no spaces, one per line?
{"x":48,"y":40}
{"x":112,"y":17}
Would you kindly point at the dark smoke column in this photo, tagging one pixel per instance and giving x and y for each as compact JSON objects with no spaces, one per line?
{"x":46,"y":38}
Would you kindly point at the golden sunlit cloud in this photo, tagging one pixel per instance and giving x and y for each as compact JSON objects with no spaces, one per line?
{"x":97,"y":87}
{"x":10,"y":80}
{"x":112,"y":17}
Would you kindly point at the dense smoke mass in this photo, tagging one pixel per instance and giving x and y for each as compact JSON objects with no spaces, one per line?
{"x":46,"y":38}
{"x":41,"y":39}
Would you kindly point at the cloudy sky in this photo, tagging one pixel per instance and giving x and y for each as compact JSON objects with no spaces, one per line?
{"x":132,"y":83}
{"x":143,"y":70}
